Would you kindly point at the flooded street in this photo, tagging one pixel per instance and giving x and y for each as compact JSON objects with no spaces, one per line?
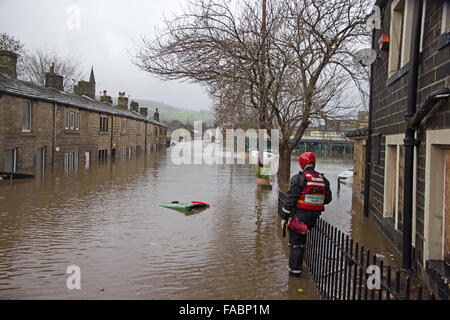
{"x":107,"y":220}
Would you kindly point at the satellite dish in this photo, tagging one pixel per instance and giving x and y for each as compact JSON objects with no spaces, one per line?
{"x":365,"y":56}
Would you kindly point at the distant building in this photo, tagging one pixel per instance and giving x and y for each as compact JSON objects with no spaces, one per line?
{"x":328,"y":139}
{"x":359,"y":137}
{"x":41,"y":126}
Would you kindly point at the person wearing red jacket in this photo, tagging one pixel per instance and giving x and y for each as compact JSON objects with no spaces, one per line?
{"x":309,"y":191}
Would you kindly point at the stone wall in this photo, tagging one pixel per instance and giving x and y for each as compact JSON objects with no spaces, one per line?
{"x":359,"y":160}
{"x":389,"y":107}
{"x":11,"y":135}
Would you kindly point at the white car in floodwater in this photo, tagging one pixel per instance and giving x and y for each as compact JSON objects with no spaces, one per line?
{"x":267,"y":156}
{"x":346,"y":176}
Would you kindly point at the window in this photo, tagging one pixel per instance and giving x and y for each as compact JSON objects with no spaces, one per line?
{"x":67,"y":120}
{"x":75,"y":159}
{"x":26,"y":115}
{"x":77,"y":121}
{"x":400,"y":34}
{"x":138,"y":128}
{"x":103,"y":154}
{"x":72,"y":120}
{"x":124,"y":125}
{"x":103,"y":124}
{"x":422,"y":28}
{"x":446,"y":17}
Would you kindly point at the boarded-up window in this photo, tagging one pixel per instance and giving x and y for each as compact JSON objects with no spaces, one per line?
{"x":393,"y":183}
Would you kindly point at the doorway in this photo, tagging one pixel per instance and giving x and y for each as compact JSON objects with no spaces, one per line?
{"x":447,"y":208}
{"x":10,"y":160}
{"x":40,"y":158}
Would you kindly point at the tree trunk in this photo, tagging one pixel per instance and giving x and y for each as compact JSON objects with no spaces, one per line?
{"x":284,"y":169}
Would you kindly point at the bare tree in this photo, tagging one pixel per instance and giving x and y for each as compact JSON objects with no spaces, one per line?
{"x":38,"y":62}
{"x":32,"y":65}
{"x":311,"y":66}
{"x":290,"y":61}
{"x":231,"y":106}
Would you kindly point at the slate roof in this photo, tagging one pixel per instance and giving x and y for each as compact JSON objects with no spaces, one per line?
{"x":29,"y":90}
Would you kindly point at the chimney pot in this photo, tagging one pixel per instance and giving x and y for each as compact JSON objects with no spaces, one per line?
{"x":134,"y":106}
{"x":8,"y":62}
{"x":143,"y":111}
{"x":53,"y":80}
{"x":105,"y":98}
{"x":86,"y":88}
{"x":122,"y":101}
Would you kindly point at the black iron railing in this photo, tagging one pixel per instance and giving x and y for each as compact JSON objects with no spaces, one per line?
{"x":340,"y":268}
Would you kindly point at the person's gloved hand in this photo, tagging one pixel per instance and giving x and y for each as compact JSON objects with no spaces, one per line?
{"x":282,"y":223}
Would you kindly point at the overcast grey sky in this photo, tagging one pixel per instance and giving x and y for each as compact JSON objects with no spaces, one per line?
{"x":105,"y":37}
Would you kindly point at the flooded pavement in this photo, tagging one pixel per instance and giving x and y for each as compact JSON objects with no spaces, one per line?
{"x":107,"y":220}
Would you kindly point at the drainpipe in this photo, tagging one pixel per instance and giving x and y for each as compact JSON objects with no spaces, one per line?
{"x":368,"y":144}
{"x":409,"y":140}
{"x":54,"y":135}
{"x":112,"y":134}
{"x":145,"y":138}
{"x":433,"y":98}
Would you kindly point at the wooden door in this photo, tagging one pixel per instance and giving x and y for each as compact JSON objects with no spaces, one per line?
{"x":394,"y":198}
{"x":447,"y":208}
{"x":10,"y":160}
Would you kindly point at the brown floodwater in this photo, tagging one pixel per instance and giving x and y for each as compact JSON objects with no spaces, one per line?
{"x":107,"y":220}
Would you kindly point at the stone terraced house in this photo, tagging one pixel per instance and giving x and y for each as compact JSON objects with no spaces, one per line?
{"x":410,"y":129}
{"x":45,"y":126}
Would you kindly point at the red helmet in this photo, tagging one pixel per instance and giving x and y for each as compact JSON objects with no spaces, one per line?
{"x":305,"y":158}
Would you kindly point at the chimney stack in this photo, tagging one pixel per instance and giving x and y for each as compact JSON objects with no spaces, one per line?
{"x":156,"y":115}
{"x":8,"y":61}
{"x":122,"y":101}
{"x":144,"y":111}
{"x":86,"y":88}
{"x":105,"y":98}
{"x":134,"y":106}
{"x":53,"y":80}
